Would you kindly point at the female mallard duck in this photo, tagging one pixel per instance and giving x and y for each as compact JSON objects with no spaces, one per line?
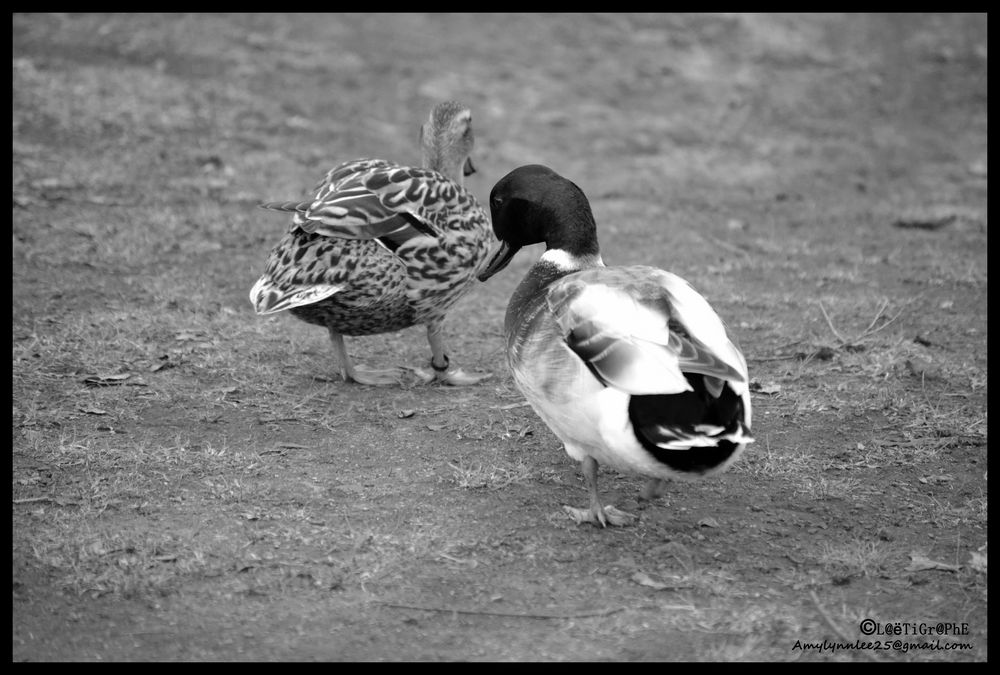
{"x":382,"y":247}
{"x":628,"y":366}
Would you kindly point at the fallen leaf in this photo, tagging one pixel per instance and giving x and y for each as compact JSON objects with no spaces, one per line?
{"x":436,"y":427}
{"x":708,"y":522}
{"x":93,"y":411}
{"x":936,"y":480}
{"x":186,"y":335}
{"x":921,"y":563}
{"x":53,"y":183}
{"x":106,"y":380}
{"x":927,"y":218}
{"x":977,"y":561}
{"x":511,"y":406}
{"x":644,"y":579}
{"x":469,"y":562}
{"x":403,"y":414}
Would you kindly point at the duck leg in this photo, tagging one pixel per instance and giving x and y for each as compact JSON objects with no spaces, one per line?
{"x":361,"y":375}
{"x":441,"y":368}
{"x":598,"y":514}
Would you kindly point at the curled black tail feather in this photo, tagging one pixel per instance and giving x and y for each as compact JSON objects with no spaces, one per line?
{"x":661,"y":418}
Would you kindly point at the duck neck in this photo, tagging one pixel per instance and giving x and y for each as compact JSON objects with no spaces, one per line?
{"x":567,"y":262}
{"x":554,"y":264}
{"x":439,"y":161}
{"x":529,"y":296}
{"x":573,"y":244}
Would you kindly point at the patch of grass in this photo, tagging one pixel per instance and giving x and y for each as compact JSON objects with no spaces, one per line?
{"x":501,"y":427}
{"x":732,"y":628}
{"x":973,"y":511}
{"x":830,"y":488}
{"x":96,"y":562}
{"x":970,"y":512}
{"x":494,"y":476}
{"x":745,"y":649}
{"x":865,"y":558}
{"x":773,"y":464}
{"x":84,"y":507}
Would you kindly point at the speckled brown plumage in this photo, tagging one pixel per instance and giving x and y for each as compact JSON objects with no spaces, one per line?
{"x":387,"y":283}
{"x":382,"y":246}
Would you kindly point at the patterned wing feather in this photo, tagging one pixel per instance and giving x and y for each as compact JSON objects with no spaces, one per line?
{"x":369,"y":199}
{"x":622,"y":322}
{"x":269,"y":297}
{"x":376,"y":230}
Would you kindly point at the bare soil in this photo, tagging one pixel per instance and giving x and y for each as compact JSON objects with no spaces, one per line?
{"x":193,"y":482}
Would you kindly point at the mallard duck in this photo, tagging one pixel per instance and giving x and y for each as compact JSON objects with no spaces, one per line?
{"x":382,"y":247}
{"x":629,"y":366}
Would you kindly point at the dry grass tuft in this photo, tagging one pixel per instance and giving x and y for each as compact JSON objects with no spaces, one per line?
{"x":865,"y":558}
{"x":495,"y":476}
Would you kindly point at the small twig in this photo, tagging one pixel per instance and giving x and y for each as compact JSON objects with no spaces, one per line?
{"x":931,"y":441}
{"x":829,"y":323}
{"x":31,"y":500}
{"x":516,"y":615}
{"x":724,"y":244}
{"x":836,"y":629}
{"x":829,"y":620}
{"x":510,"y":406}
{"x":923,"y":390}
{"x":100,"y":201}
{"x":779,"y":357}
{"x":885,"y":303}
{"x":787,"y":345}
{"x":453,"y":559}
{"x":867,"y":332}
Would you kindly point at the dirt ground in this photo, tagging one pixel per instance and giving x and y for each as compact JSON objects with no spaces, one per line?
{"x":193,"y":482}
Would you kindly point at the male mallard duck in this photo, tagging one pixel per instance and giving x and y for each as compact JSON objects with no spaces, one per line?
{"x":629,"y":366}
{"x":382,"y":247}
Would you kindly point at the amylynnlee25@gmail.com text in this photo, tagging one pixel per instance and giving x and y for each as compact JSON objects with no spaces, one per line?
{"x":896,"y":636}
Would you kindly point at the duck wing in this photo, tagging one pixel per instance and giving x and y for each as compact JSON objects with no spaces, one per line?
{"x":377,"y":199}
{"x":639,"y":329}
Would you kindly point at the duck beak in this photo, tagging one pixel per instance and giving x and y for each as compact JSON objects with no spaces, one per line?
{"x":469,"y":169}
{"x":501,"y":257}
